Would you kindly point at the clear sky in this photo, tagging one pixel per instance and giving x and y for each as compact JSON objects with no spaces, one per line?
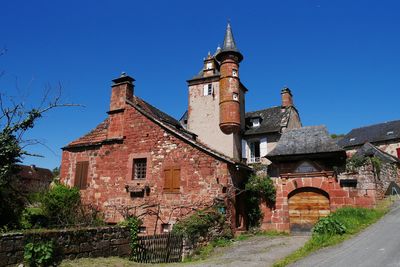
{"x":340,"y":58}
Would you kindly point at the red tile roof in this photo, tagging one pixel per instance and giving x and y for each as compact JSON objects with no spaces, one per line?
{"x":96,"y":136}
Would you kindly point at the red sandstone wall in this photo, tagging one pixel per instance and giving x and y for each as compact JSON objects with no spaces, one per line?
{"x":277,"y":218}
{"x":110,"y":169}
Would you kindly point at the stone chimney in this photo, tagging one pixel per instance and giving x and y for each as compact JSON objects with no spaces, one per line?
{"x":121,"y":90}
{"x":287,"y":98}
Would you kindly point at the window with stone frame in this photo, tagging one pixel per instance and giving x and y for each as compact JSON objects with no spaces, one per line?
{"x":81,"y":174}
{"x":139,"y":169}
{"x":172,"y":179}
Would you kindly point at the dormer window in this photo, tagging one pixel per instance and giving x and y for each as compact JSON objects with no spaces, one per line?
{"x":234,"y":73}
{"x":352,"y":139}
{"x":255,"y":122}
{"x":390,"y":133}
{"x":209,"y":66}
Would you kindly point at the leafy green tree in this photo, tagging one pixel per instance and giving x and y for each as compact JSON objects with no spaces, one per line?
{"x":15,"y":121}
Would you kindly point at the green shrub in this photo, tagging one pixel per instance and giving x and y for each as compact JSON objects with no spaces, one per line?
{"x":33,"y":217}
{"x":208,"y":223}
{"x":39,"y":254}
{"x":330,"y":226}
{"x":60,"y":205}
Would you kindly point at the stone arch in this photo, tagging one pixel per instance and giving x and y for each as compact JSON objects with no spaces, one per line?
{"x":306,"y":205}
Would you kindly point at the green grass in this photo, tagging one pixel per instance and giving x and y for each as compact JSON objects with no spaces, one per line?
{"x":354,"y":219}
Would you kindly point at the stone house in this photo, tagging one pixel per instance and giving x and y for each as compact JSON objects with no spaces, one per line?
{"x":378,"y":172}
{"x":385,"y":136}
{"x":264,"y":128}
{"x":308,"y":188}
{"x":33,"y":179}
{"x":141,"y":161}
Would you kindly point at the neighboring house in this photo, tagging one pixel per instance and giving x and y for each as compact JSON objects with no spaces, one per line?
{"x":385,"y":136}
{"x":264,"y":128}
{"x":378,"y":174}
{"x":141,"y":161}
{"x":34,"y":179}
{"x":307,"y":185}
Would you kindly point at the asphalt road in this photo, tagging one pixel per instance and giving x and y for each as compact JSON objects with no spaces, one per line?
{"x":378,"y":245}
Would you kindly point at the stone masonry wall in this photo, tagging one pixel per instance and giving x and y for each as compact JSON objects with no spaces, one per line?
{"x":69,"y":244}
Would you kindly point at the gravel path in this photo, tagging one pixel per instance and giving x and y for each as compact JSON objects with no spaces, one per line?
{"x":256,"y":251}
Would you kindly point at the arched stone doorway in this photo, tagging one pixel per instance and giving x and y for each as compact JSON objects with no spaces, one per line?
{"x":306,"y":206}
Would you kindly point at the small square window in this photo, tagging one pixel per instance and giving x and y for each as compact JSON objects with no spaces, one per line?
{"x":139,"y":168}
{"x":142,"y":229}
{"x":165,"y":228}
{"x":234,"y":73}
{"x":235,"y":96}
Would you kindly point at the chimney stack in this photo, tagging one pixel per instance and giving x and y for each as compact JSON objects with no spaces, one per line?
{"x":121,"y":89}
{"x":287,"y":98}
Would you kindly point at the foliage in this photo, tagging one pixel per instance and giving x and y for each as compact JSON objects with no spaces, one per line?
{"x":329,"y":226}
{"x":208,"y":224}
{"x":33,"y":217}
{"x":355,"y":162}
{"x":353,"y":219}
{"x":133,"y":223}
{"x":60,"y":204}
{"x":258,"y":188}
{"x":377,"y":164}
{"x":335,"y":136}
{"x":39,"y":254}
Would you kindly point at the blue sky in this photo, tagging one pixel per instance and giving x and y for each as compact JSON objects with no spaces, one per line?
{"x":340,"y":58}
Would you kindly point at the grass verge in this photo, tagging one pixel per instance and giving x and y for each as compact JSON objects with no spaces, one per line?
{"x":354,"y":219}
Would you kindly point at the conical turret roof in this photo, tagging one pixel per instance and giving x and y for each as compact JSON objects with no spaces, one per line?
{"x":229,"y":44}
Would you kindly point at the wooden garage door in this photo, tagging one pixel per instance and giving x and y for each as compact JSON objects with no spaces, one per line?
{"x":306,"y":206}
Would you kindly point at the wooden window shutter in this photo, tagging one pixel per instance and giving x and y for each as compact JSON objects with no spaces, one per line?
{"x":176,"y":180}
{"x":167,"y":179}
{"x":78,"y":171}
{"x":84,"y":175}
{"x":81,"y":174}
{"x":398,"y":152}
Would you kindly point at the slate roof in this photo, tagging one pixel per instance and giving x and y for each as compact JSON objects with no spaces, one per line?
{"x":374,"y":133}
{"x":370,"y":150}
{"x":272,"y":120}
{"x":305,"y":140}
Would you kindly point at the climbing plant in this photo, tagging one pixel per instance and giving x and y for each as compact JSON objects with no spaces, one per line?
{"x":133,"y":223}
{"x":258,"y":189}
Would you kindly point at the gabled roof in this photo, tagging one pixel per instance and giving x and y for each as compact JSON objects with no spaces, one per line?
{"x":370,"y":150}
{"x":272,"y":120}
{"x":374,"y":133}
{"x":305,"y":140}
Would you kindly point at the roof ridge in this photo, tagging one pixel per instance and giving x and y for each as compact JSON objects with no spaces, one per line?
{"x":376,"y":124}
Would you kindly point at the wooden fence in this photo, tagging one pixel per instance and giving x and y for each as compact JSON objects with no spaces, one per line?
{"x":162,"y":248}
